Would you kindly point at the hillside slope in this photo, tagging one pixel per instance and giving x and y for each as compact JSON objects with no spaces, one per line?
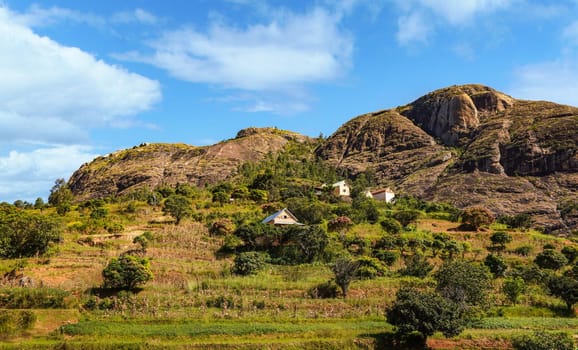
{"x":150,"y":165}
{"x":470,"y":145}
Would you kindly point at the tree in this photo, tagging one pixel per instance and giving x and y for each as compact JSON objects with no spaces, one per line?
{"x":39,"y":203}
{"x":550,"y":259}
{"x":565,"y":288}
{"x":250,"y":263}
{"x":24,"y":234}
{"x":425,"y":312}
{"x":496,"y":264}
{"x":416,"y":265}
{"x":60,"y":194}
{"x":311,"y":240}
{"x":391,"y":225}
{"x":406,"y":217}
{"x":543,"y":341}
{"x":345,"y":272}
{"x":475,"y":217}
{"x":463,"y":282}
{"x":513,"y":288}
{"x":127,"y":272}
{"x":178,"y":206}
{"x":500,"y":239}
{"x":339,"y":224}
{"x":570,"y":252}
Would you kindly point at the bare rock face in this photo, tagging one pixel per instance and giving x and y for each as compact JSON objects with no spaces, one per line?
{"x":471,"y":145}
{"x":150,"y":165}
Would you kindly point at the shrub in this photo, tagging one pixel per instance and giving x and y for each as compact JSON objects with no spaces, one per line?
{"x":33,"y":298}
{"x":388,"y":257}
{"x":12,"y":323}
{"x":523,"y":221}
{"x":178,"y":206}
{"x":250,"y":263}
{"x":325,"y":290}
{"x":543,"y":341}
{"x":391,"y":225}
{"x":565,"y":288}
{"x":127,"y":272}
{"x":406,"y":217}
{"x":551,"y":259}
{"x":416,"y":265}
{"x":222,"y":227}
{"x":570,"y":252}
{"x":500,"y":239}
{"x":523,"y":250}
{"x":496,"y":264}
{"x":463,"y":282}
{"x":475,"y":217}
{"x":369,"y":268}
{"x":513,"y":288}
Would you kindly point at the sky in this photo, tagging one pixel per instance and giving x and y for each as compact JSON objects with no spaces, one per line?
{"x":79,"y":79}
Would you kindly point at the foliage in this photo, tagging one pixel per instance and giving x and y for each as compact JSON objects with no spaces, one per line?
{"x":339,"y":224}
{"x":550,"y":259}
{"x":311,"y":212}
{"x":178,"y":206}
{"x":565,"y":288}
{"x":311,"y":240}
{"x":425,"y":312}
{"x":499,"y":239}
{"x":523,"y":250}
{"x":24,"y":233}
{"x":513,"y":288}
{"x":476,"y":217}
{"x":390,"y":225}
{"x":250,"y":263}
{"x":60,"y":194}
{"x":345,"y":271}
{"x":127,"y":272}
{"x":388,"y":257}
{"x":325,"y":290}
{"x":222,"y":227}
{"x":406,"y":217}
{"x":496,"y":264}
{"x":416,"y":265}
{"x":463,"y":282}
{"x":522,"y":221}
{"x":570,"y":252}
{"x":543,"y":341}
{"x":33,"y":298}
{"x":369,"y":268}
{"x":12,"y":323}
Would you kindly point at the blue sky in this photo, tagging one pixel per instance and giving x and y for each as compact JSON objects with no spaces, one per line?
{"x":85,"y":78}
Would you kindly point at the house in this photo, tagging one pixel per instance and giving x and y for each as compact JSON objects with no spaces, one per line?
{"x":282,"y":217}
{"x":382,"y":194}
{"x":341,"y":189}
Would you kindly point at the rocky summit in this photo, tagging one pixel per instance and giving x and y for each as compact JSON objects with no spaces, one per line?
{"x":471,"y":145}
{"x":466,"y":145}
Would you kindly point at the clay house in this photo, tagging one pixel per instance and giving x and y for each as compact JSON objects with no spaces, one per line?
{"x":282,"y":217}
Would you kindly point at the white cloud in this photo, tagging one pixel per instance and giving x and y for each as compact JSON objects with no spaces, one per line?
{"x":38,"y":16}
{"x":552,"y":81}
{"x":412,"y":28}
{"x":419,"y":19}
{"x":28,"y":175}
{"x":286,"y":52}
{"x":48,"y":90}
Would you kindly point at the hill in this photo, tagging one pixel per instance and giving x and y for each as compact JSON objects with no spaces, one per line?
{"x":470,"y":145}
{"x":466,"y":145}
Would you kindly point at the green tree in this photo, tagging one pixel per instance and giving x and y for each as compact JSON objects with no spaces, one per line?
{"x":178,"y":206}
{"x":60,"y":194}
{"x":570,"y":252}
{"x":221,"y":197}
{"x":250,"y":263}
{"x":496,"y":265}
{"x":345,"y":271}
{"x":543,"y":341}
{"x":513,"y":287}
{"x":565,"y":288}
{"x":127,"y":272}
{"x":425,"y":312}
{"x":391,"y":225}
{"x":24,"y":234}
{"x":550,"y":259}
{"x":476,"y":217}
{"x":406,"y":217}
{"x":311,"y":240}
{"x":463,"y":282}
{"x":500,"y":239}
{"x":416,"y":265}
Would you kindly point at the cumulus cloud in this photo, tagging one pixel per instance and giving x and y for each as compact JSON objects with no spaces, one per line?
{"x":25,"y":175}
{"x":551,"y":81}
{"x":38,"y":16}
{"x":412,"y":28}
{"x":53,"y":90}
{"x":286,"y":52}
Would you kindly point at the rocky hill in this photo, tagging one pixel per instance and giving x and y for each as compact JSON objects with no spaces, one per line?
{"x":150,"y":165}
{"x":471,"y":145}
{"x":466,"y":145}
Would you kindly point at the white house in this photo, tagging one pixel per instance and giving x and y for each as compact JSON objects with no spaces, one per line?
{"x":341,"y":189}
{"x":282,"y":217}
{"x":382,"y":194}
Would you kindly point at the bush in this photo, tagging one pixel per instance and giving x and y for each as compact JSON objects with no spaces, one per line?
{"x":416,"y":265}
{"x":570,"y":252}
{"x":513,"y":288}
{"x":369,"y":268}
{"x":391,"y":225}
{"x":463,"y":282}
{"x":12,"y":323}
{"x":543,"y":341}
{"x":325,"y":290}
{"x":500,"y":239}
{"x":523,"y":250}
{"x":388,"y":257}
{"x":127,"y":272}
{"x":551,"y":259}
{"x":406,"y":217}
{"x":250,"y":263}
{"x":475,"y":217}
{"x":33,"y":298}
{"x":496,"y":264}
